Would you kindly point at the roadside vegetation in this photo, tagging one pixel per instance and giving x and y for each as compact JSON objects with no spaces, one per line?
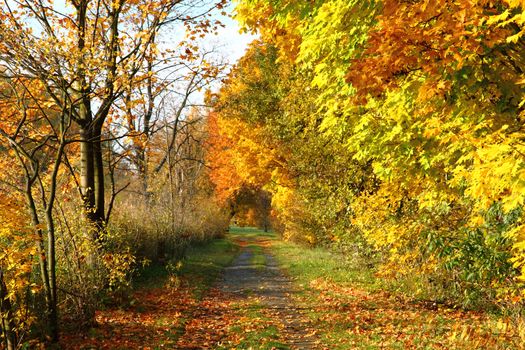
{"x":353,"y":308}
{"x":164,"y":298}
{"x":100,"y":175}
{"x":388,"y":131}
{"x":345,"y":305}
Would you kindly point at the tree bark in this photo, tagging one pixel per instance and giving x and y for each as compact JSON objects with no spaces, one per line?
{"x":87,"y":178}
{"x":98,"y":162}
{"x":91,"y":164}
{"x":6,"y":313}
{"x":50,"y":220}
{"x":49,"y":291}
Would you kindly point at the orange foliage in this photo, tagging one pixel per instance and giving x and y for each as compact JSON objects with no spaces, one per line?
{"x":433,"y":38}
{"x":220,"y":157}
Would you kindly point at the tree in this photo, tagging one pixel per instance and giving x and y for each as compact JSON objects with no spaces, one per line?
{"x":416,"y":111}
{"x":167,"y":93}
{"x":37,"y":136}
{"x":64,"y":69}
{"x":87,"y":55}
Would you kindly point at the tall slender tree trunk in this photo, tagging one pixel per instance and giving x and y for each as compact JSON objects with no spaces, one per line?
{"x":46,"y":261}
{"x":50,"y":220}
{"x":91,"y":163}
{"x":92,"y":178}
{"x":87,"y":178}
{"x":6,"y":315}
{"x":145,"y":177}
{"x":48,"y":282}
{"x":98,"y":163}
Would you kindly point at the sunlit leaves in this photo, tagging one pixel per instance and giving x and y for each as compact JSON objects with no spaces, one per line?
{"x":429,"y":93}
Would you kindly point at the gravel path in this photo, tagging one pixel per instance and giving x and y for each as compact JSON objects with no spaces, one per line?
{"x":273,"y":289}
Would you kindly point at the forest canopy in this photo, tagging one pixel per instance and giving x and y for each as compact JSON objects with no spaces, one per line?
{"x":391,"y":129}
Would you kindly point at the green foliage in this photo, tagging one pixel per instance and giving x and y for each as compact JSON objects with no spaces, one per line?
{"x":475,"y":265}
{"x":203,"y":261}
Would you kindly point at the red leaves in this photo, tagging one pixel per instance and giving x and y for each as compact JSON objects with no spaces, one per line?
{"x":158,"y":320}
{"x":153,"y":322}
{"x":210,"y":322}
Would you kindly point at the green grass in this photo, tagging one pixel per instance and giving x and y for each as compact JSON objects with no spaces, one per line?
{"x":308,"y":264}
{"x":249,"y":233}
{"x":376,"y":313}
{"x":151,"y":276}
{"x":203,"y":262}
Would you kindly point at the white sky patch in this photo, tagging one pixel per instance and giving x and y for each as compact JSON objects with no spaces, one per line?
{"x":228,"y":45}
{"x":232,"y":43}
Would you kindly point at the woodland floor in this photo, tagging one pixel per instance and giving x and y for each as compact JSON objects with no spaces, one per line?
{"x":252,"y":291}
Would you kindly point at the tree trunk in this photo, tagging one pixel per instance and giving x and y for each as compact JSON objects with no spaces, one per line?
{"x":50,"y":220}
{"x":87,"y":179}
{"x":98,"y":162}
{"x":48,"y":283}
{"x":6,"y":314}
{"x":147,"y":129}
{"x":91,"y":164}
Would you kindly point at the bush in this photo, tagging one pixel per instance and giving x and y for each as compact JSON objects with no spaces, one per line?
{"x":163,"y":234}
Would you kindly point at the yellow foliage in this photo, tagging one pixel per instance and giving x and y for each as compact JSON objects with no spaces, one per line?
{"x":17,"y":250}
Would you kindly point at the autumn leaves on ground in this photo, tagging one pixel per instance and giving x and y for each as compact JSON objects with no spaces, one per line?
{"x":230,"y":294}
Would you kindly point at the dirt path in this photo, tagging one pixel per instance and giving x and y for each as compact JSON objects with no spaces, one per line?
{"x":274,"y":290}
{"x":253,"y":282}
